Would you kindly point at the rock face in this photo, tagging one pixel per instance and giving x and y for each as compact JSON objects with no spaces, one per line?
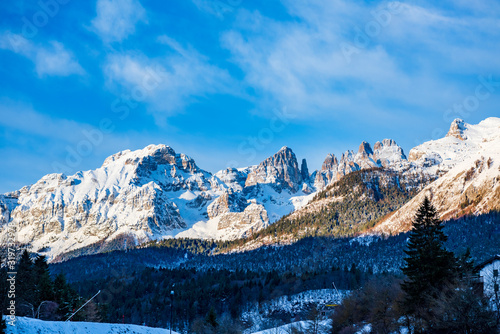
{"x":281,"y":170}
{"x":472,"y":182}
{"x":7,"y":205}
{"x":149,"y":194}
{"x":243,"y":224}
{"x":233,"y":178}
{"x":328,"y":172}
{"x":157,"y":193}
{"x":457,"y":129}
{"x":461,"y":142}
{"x":229,"y":201}
{"x":127,"y":195}
{"x":386,"y":154}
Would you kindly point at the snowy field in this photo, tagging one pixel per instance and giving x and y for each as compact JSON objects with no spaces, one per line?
{"x":301,"y":325}
{"x":34,"y":326}
{"x":259,"y":316}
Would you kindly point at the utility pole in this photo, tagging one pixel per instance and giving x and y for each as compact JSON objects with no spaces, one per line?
{"x":171,"y":310}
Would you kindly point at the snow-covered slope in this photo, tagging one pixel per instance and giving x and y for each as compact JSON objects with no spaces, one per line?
{"x":462,"y":141}
{"x":141,"y":194}
{"x":35,"y":326}
{"x":470,"y":156}
{"x":154,"y":193}
{"x":323,"y":327}
{"x":150,"y":194}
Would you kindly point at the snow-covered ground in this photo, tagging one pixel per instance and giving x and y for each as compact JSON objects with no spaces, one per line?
{"x":470,"y":185}
{"x":261,"y":315}
{"x":35,"y":326}
{"x":302,"y":325}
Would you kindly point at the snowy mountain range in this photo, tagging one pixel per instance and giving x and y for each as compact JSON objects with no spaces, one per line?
{"x":155,"y":193}
{"x":469,"y":156}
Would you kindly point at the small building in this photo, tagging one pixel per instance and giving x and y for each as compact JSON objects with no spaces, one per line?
{"x":489,"y":273}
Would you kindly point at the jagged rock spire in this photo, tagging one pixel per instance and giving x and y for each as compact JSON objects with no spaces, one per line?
{"x":304,"y":171}
{"x":281,"y":169}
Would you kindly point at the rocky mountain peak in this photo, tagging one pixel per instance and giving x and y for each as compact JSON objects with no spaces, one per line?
{"x":387,"y":153}
{"x":365,"y":149}
{"x":347,"y":155}
{"x":281,"y":169}
{"x":154,"y":158}
{"x":233,"y":178}
{"x":328,"y":172}
{"x":330,"y":162}
{"x":384,"y":143}
{"x":457,"y":128}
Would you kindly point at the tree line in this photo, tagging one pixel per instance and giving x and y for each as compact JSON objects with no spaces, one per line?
{"x":39,"y":295}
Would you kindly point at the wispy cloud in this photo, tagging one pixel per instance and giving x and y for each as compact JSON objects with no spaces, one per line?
{"x":116,"y":19}
{"x":15,"y":116}
{"x":66,"y":145}
{"x":300,"y":63}
{"x":168,"y":83}
{"x":50,"y":59}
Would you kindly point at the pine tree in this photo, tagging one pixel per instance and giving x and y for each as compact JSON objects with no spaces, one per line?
{"x":62,"y":295}
{"x":466,"y":270}
{"x":44,"y":284}
{"x":25,"y":284}
{"x":429,"y":266}
{"x":211,"y":319}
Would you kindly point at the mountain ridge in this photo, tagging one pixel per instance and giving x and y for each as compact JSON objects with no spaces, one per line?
{"x":157,"y":193}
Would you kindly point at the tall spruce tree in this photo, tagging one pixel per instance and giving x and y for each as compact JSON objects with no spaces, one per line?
{"x":428,"y":265}
{"x":25,"y":285}
{"x":64,"y":296}
{"x":44,"y":284}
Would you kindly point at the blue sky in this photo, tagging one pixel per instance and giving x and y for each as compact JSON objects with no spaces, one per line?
{"x":229,"y":82}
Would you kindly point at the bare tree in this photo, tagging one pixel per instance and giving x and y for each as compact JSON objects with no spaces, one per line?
{"x":295,"y":329}
{"x":314,"y":324}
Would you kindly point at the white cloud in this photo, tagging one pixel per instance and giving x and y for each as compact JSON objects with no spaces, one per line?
{"x":56,"y":61}
{"x":169,"y":83}
{"x":68,"y":146}
{"x":52,"y":59}
{"x":408,"y":61}
{"x":116,"y":19}
{"x":22,"y":117}
{"x":302,"y":67}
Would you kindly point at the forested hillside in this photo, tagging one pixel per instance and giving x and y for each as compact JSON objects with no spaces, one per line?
{"x":480,"y":233}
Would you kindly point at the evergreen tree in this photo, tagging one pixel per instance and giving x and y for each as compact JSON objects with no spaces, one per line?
{"x":63,"y":296}
{"x":429,"y":266}
{"x":211,"y":319}
{"x":44,"y":285}
{"x":465,"y":266}
{"x":25,"y":285}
